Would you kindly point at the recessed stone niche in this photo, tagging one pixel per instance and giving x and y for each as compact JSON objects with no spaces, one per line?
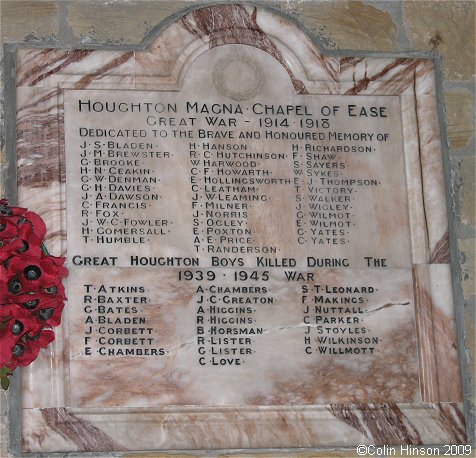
{"x":257,"y":240}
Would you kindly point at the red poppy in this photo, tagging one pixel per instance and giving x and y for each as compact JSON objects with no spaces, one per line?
{"x":18,"y":216}
{"x":27,"y":350}
{"x":25,"y":274}
{"x":20,"y":237}
{"x":6,"y":210}
{"x":16,"y":322}
{"x":39,"y":299}
{"x":8,"y":227}
{"x":37,"y":223}
{"x":9,"y":248}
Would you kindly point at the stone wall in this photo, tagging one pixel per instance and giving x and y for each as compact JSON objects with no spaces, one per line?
{"x":443,"y":27}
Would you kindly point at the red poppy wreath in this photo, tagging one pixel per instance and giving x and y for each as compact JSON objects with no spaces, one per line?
{"x":31,"y":290}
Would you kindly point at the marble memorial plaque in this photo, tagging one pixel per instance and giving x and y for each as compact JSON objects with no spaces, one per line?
{"x":257,"y":241}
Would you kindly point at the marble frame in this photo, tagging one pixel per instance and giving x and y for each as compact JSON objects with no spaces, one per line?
{"x":42,"y":75}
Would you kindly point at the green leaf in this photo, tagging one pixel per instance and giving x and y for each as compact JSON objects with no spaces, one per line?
{"x":5,"y":370}
{"x":5,"y":383}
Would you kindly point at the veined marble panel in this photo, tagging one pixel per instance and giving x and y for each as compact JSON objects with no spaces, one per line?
{"x":326,"y":426}
{"x":293,"y":353}
{"x":93,"y":390}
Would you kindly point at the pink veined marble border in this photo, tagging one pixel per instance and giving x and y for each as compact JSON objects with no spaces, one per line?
{"x":43,"y":74}
{"x":61,"y":429}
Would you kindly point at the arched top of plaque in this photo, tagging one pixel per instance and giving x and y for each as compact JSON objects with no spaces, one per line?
{"x":163,"y":58}
{"x":219,"y":25}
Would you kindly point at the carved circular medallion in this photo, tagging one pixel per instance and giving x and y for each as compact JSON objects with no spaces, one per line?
{"x":238,"y":76}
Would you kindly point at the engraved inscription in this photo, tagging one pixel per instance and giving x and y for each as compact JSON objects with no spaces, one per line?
{"x":263,"y":236}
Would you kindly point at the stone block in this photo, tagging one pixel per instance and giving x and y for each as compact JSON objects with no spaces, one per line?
{"x":350,"y":25}
{"x":466,"y":248}
{"x":468,"y":190}
{"x":245,"y":454}
{"x":29,"y":20}
{"x":3,"y":424}
{"x":438,"y":26}
{"x":304,"y":454}
{"x":470,"y":319}
{"x":121,"y":22}
{"x":459,"y":115}
{"x":3,"y":164}
{"x":468,"y":255}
